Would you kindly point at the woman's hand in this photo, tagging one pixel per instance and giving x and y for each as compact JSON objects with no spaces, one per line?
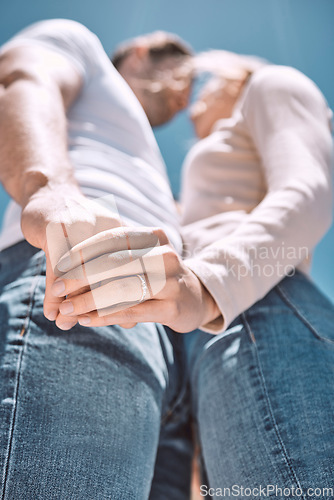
{"x":134,"y":276}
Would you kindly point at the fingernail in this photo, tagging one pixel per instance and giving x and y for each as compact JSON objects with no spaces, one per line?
{"x":66,"y":326}
{"x":64,"y":264}
{"x":84,"y":320}
{"x":58,"y":288}
{"x":51,"y":315}
{"x":66,"y":307}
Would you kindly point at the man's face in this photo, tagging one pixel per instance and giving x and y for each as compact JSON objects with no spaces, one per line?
{"x":163,"y":87}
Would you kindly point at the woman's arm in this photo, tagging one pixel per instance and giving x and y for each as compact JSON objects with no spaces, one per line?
{"x":288,"y":120}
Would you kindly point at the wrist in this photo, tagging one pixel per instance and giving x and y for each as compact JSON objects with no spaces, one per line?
{"x":37,"y":184}
{"x":44,"y":201}
{"x":211,"y":310}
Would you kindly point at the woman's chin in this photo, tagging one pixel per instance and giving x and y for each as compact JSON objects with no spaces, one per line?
{"x":200,"y":127}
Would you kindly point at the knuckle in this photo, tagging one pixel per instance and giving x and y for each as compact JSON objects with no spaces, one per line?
{"x":161,"y":235}
{"x":171,"y":259}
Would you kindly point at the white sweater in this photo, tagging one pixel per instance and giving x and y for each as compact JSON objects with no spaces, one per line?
{"x":256,"y":193}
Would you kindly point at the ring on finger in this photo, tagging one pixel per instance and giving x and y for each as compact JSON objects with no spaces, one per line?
{"x":144,"y":287}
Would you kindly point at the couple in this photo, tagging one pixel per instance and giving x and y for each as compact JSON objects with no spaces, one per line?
{"x":94,"y":397}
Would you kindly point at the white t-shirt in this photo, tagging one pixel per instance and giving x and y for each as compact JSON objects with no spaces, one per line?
{"x":111,"y":143}
{"x":256,"y":193}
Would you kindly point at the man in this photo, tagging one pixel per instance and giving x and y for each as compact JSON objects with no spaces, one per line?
{"x":81,"y":413}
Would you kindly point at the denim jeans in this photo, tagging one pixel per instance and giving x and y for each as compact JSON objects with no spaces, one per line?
{"x":88,"y":414}
{"x":263,"y":395}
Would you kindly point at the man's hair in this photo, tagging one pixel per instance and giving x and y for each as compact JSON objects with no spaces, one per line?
{"x":160,"y":45}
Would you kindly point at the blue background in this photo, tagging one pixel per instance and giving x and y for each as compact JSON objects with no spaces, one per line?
{"x":292,"y":32}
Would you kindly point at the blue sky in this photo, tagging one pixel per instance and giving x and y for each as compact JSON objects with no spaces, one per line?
{"x":291,"y":32}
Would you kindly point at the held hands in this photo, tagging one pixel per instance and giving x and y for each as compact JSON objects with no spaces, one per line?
{"x":128,"y":275}
{"x":56,"y":219}
{"x":102,"y":274}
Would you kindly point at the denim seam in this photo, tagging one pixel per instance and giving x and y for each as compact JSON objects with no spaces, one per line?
{"x":18,"y":373}
{"x":300,"y":315}
{"x":181,"y":394}
{"x":178,"y":400}
{"x":269,"y":406}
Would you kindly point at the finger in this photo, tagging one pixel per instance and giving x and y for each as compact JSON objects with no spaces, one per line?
{"x":112,"y":240}
{"x":149,"y":262}
{"x":66,"y":322}
{"x":84,"y":289}
{"x":51,"y":303}
{"x":151,"y":311}
{"x":105,"y":267}
{"x":57,"y":243}
{"x":119,"y":292}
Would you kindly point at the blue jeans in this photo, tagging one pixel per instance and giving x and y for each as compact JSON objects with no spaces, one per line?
{"x":88,"y":414}
{"x":263,"y":395}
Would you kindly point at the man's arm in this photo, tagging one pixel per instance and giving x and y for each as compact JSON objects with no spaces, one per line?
{"x":37,"y":86}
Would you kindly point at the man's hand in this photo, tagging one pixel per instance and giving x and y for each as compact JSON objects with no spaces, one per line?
{"x":134,"y":276}
{"x":56,"y":219}
{"x":37,"y":87}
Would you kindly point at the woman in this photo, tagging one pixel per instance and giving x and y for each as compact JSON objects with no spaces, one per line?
{"x":256,"y":199}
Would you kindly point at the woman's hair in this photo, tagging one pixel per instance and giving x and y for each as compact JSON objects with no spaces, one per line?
{"x":226,"y":64}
